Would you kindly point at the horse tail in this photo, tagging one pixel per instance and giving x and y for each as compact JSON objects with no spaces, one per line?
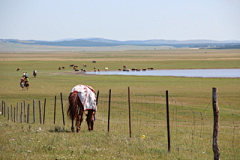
{"x":72,"y":105}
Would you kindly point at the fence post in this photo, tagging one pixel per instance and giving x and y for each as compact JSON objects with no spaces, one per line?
{"x":168,"y":124}
{"x":55,"y":101}
{"x":14,"y":113}
{"x":11,"y":113}
{"x":21,"y":115}
{"x":34,"y":112}
{"x":4,"y":109}
{"x":8,"y":112}
{"x":62,"y":109}
{"x":24,"y":111}
{"x":129,"y":111}
{"x":216,"y":124}
{"x":97,"y":97}
{"x":2,"y":106}
{"x":17,"y":113}
{"x":28,"y":108}
{"x":109,"y":104}
{"x":44,"y":110}
{"x":40,"y":112}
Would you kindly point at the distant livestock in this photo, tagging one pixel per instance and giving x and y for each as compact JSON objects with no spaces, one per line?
{"x":71,"y":65}
{"x":18,"y":69}
{"x":106,"y":68}
{"x":84,"y":65}
{"x":93,"y":61}
{"x":59,"y":68}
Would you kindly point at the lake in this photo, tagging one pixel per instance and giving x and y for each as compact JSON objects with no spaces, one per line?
{"x":205,"y":73}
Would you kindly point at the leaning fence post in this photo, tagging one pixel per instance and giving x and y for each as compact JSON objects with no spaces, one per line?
{"x":168,"y":124}
{"x":129,"y":111}
{"x":55,"y":101}
{"x":62,"y":109}
{"x":40,"y":112}
{"x":109,"y":104}
{"x":216,"y":124}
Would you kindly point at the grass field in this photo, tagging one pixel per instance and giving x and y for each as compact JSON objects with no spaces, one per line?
{"x":191,"y":116}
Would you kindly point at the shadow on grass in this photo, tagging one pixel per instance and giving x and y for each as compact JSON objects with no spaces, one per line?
{"x":60,"y":129}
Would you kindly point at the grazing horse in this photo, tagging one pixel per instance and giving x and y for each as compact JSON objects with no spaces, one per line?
{"x":82,"y":98}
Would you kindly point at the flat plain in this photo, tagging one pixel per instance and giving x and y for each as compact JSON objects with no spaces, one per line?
{"x":191,"y":116}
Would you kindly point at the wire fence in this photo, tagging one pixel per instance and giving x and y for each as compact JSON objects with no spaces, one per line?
{"x":190,"y":127}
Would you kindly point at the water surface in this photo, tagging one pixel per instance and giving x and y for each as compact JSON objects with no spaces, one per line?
{"x":206,"y":73}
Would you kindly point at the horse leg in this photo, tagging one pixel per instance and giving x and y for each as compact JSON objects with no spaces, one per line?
{"x":90,"y":120}
{"x":72,"y":125}
{"x":79,"y":119}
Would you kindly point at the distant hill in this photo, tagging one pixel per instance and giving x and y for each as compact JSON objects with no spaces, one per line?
{"x":101,"y":42}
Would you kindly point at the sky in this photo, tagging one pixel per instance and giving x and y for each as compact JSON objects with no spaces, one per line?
{"x":120,"y":19}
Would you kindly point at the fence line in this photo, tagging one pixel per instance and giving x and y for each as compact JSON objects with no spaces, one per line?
{"x":147,"y":117}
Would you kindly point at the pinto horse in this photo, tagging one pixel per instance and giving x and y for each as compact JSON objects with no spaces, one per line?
{"x":82,"y":99}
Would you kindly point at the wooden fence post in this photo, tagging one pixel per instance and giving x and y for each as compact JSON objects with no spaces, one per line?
{"x":14,"y":113}
{"x":28,"y":108}
{"x":40,"y":112}
{"x":34,"y":112}
{"x":11,"y":113}
{"x":216,"y":124}
{"x":17,"y":113}
{"x":2,"y":106}
{"x":62,"y":109}
{"x":8,"y":112}
{"x":4,"y":109}
{"x":24,"y":111}
{"x":129,"y":111}
{"x":168,"y":124}
{"x":45,"y":101}
{"x":21,"y":115}
{"x":109,"y":104}
{"x":55,"y":101}
{"x":97,"y":97}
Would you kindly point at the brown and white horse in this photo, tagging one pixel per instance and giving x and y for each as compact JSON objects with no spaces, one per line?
{"x":82,"y":99}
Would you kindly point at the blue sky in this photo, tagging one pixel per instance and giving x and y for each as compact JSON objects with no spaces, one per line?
{"x":120,"y":19}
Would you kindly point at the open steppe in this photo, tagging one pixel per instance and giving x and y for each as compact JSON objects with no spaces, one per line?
{"x":191,"y":116}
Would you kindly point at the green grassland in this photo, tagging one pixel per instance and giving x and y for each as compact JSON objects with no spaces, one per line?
{"x":191,"y":116}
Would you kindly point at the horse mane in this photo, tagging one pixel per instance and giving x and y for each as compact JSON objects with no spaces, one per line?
{"x":73,"y":101}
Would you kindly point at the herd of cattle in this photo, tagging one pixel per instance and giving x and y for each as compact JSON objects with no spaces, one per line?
{"x":75,"y":68}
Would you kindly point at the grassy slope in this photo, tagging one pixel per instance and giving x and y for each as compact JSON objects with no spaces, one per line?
{"x":186,"y":95}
